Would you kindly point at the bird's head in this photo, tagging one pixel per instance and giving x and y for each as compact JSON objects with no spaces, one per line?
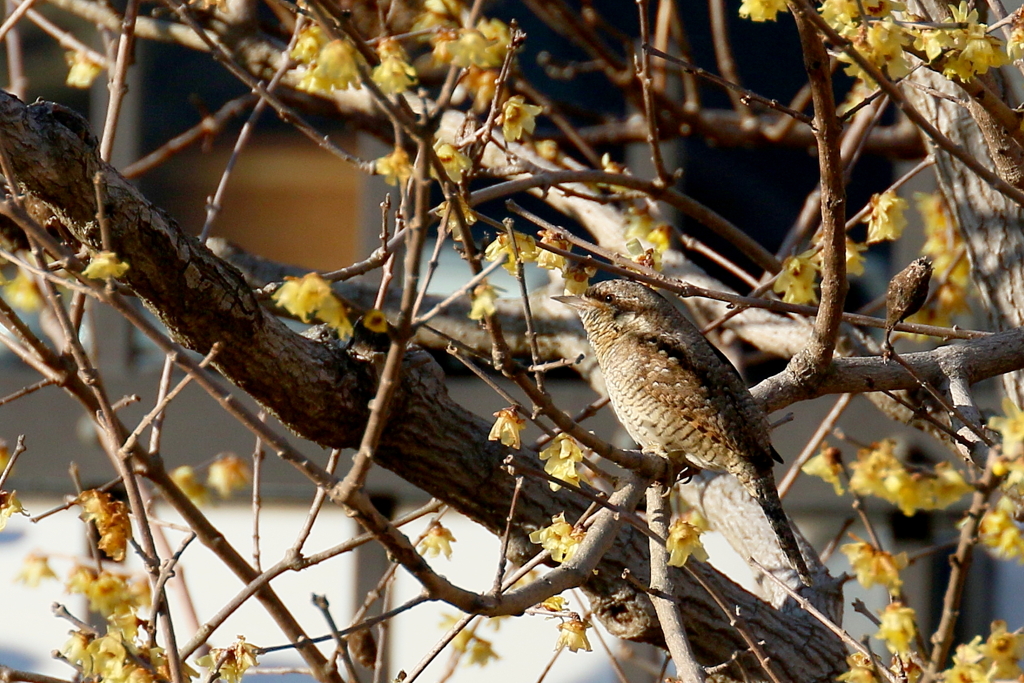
{"x":618,"y":305}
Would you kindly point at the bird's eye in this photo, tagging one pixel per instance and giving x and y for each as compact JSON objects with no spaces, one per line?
{"x":608,"y":298}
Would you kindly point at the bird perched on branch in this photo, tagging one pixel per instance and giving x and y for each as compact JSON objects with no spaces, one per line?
{"x":679,"y":397}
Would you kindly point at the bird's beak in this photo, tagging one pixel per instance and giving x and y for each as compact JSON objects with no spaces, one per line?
{"x":577,"y":302}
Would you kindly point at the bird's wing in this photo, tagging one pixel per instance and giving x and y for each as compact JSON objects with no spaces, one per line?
{"x":734,"y":406}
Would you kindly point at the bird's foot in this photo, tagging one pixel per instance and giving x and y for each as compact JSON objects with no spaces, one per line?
{"x":683,"y":474}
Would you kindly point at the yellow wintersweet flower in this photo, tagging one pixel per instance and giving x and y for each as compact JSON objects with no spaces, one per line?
{"x":452,"y":221}
{"x":906,"y":668}
{"x":983,"y":52}
{"x":967,"y":665}
{"x":556,"y":603}
{"x":394,"y":74}
{"x":875,"y":566}
{"x":886,"y":220}
{"x":462,"y":641}
{"x":438,"y":541}
{"x":108,"y":593}
{"x":499,"y":37}
{"x":854,"y":258}
{"x":547,"y":149}
{"x":518,"y":117}
{"x":901,"y":488}
{"x":481,"y":652}
{"x":79,"y":579}
{"x":1011,"y":426}
{"x":481,"y":84}
{"x":111,"y":519}
{"x":998,"y":531}
{"x":609,"y":165}
{"x":309,"y":43}
{"x":186,"y":479}
{"x":228,"y":473}
{"x":877,"y":472}
{"x":639,"y":222}
{"x":444,"y":13}
{"x":22,"y":293}
{"x":797,"y":281}
{"x":1004,"y":650}
{"x":484,"y":296}
{"x":946,"y":487}
{"x":853,"y":252}
{"x":872,"y":467}
{"x":661,"y":237}
{"x":561,"y":456}
{"x":335,"y":68}
{"x":108,"y":659}
{"x":76,"y":651}
{"x":897,"y":628}
{"x":1015,"y":44}
{"x":973,"y":51}
{"x":34,"y":568}
{"x":828,"y":466}
{"x":237,"y":659}
{"x":560,"y":539}
{"x":333,"y":313}
{"x":933,"y":41}
{"x":395,"y":167}
{"x":550,"y":260}
{"x":455,"y":163}
{"x":83,"y":70}
{"x":103,"y":265}
{"x":883,"y":43}
{"x":525,"y":248}
{"x":860,"y":671}
{"x":684,"y":541}
{"x":943,"y":242}
{"x":507,"y":427}
{"x":761,"y":10}
{"x":577,"y":278}
{"x":9,"y":506}
{"x":126,"y":623}
{"x":1012,"y":472}
{"x":845,"y":15}
{"x":470,"y":49}
{"x":311,"y":295}
{"x":930,"y":491}
{"x":573,"y":635}
{"x":880,"y":41}
{"x":442,"y":41}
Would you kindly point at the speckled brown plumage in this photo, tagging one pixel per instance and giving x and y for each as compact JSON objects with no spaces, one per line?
{"x":679,"y":397}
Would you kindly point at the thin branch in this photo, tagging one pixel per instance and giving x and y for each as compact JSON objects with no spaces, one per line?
{"x":960,"y":564}
{"x":687,"y":668}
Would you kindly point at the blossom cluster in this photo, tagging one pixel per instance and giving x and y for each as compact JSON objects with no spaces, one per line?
{"x":878,"y":472}
{"x":226,"y":474}
{"x":888,"y":37}
{"x":797,"y":281}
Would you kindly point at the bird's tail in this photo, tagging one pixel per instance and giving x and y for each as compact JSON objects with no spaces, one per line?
{"x":762,"y":487}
